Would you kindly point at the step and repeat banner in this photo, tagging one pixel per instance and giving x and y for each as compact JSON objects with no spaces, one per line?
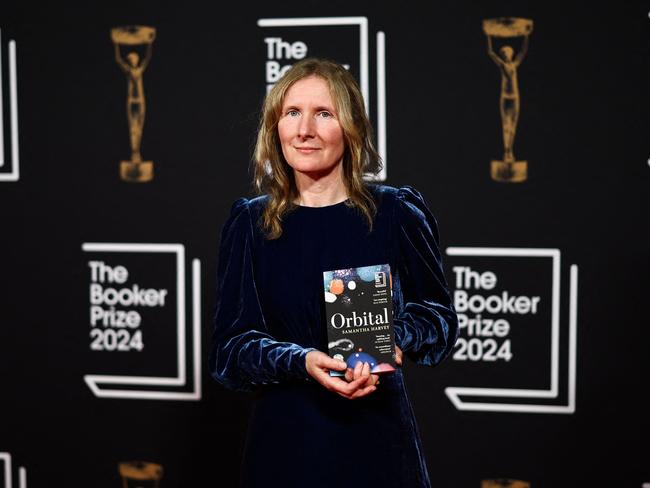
{"x":126,"y":132}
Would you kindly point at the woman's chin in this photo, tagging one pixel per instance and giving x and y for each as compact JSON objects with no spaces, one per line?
{"x":313,"y":171}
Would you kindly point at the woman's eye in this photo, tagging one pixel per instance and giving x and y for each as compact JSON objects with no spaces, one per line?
{"x":292,"y":113}
{"x":325,"y":115}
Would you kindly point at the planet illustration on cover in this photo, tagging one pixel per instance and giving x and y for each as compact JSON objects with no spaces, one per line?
{"x":336,"y":286}
{"x":382,"y":368}
{"x":342,"y":287}
{"x":364,"y":357}
{"x":367,"y":273}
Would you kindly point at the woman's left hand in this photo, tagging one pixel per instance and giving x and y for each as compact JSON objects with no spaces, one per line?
{"x":398,"y":356}
{"x":363,"y":369}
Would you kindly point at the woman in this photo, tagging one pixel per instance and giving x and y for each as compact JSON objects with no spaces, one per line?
{"x":315,"y":213}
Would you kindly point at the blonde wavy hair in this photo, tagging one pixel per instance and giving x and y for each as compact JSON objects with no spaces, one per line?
{"x":272,"y":173}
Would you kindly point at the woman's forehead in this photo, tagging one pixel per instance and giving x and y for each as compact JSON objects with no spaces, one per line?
{"x":311,"y":89}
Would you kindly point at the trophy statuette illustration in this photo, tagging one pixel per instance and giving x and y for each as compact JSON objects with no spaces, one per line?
{"x":507,"y":29}
{"x":134,"y":64}
{"x":140,"y":474}
{"x":504,"y":483}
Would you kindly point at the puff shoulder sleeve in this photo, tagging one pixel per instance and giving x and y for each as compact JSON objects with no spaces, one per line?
{"x":242,"y":354}
{"x":426,"y":325}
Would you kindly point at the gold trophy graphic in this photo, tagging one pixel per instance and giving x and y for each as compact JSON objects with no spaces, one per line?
{"x":130,"y":38}
{"x":508,"y":28}
{"x":504,"y":483}
{"x":140,"y":474}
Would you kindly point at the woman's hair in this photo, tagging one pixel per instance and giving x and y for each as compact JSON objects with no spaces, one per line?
{"x":274,"y":176}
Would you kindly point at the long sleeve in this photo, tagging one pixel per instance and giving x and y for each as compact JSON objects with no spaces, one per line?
{"x":242,"y":353}
{"x":426,"y":324}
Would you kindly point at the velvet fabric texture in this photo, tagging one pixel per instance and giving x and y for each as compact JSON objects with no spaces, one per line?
{"x":270,"y":313}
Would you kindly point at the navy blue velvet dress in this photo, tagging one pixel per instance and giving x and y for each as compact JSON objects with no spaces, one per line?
{"x":270,"y":312}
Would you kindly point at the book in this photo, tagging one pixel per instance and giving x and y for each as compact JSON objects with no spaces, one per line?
{"x":359,"y":317}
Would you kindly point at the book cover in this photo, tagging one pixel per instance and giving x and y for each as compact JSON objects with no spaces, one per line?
{"x":359,"y":317}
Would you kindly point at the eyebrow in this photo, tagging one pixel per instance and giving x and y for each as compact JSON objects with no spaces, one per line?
{"x":318,"y":108}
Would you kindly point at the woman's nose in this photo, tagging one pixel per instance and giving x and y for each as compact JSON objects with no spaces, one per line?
{"x":306,"y":127}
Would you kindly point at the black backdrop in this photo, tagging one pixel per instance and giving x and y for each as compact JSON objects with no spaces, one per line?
{"x":583,"y":209}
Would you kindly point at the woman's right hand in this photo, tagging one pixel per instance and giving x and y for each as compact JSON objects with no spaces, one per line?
{"x":319,"y":364}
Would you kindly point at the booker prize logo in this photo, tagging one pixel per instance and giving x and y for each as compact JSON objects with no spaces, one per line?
{"x":345,"y":39}
{"x":133,"y":45}
{"x":9,"y":167}
{"x":137,"y":335}
{"x":140,"y":474}
{"x":506,"y":31}
{"x":7,"y":471}
{"x":512,"y":345}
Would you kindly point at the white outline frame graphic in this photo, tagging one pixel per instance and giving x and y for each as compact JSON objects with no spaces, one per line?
{"x":93,"y":381}
{"x":364,"y":83}
{"x":14,"y":174}
{"x":455,"y":392}
{"x":5,"y":457}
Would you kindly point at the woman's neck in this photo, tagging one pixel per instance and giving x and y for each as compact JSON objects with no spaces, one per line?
{"x":320,"y":190}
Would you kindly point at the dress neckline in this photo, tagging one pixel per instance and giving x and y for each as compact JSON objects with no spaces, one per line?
{"x":334,"y":205}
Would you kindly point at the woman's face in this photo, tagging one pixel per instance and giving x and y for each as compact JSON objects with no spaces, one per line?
{"x":309,"y":129}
